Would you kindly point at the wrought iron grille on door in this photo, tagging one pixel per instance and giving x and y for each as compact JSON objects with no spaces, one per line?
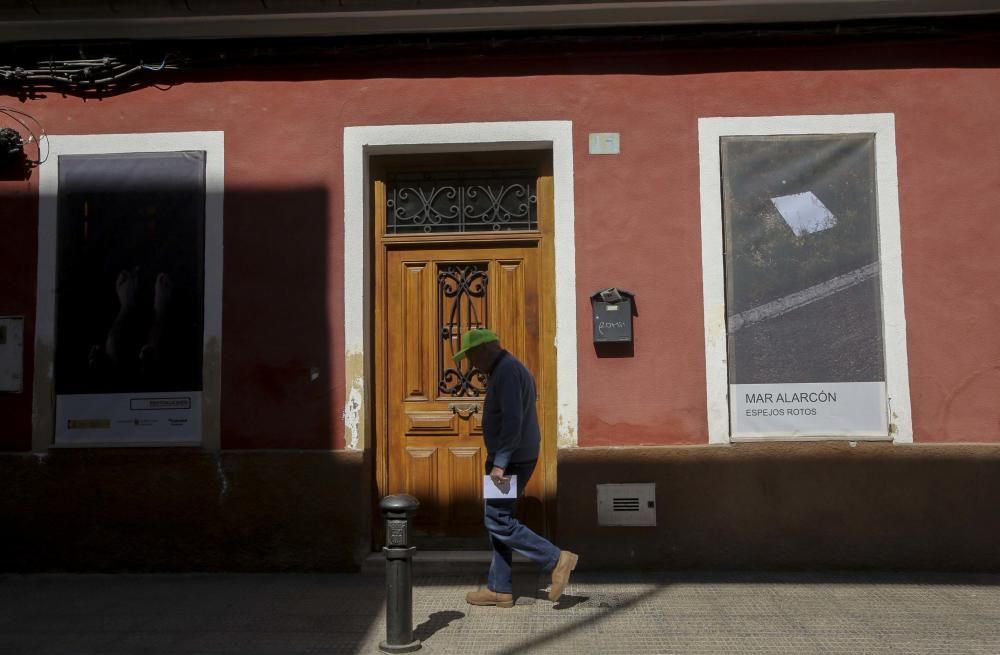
{"x":482,"y":201}
{"x":463,"y":292}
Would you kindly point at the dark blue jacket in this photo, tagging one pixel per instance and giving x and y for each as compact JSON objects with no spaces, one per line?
{"x":510,"y":423}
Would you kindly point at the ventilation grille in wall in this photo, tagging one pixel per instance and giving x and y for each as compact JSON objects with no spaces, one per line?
{"x":626,"y":504}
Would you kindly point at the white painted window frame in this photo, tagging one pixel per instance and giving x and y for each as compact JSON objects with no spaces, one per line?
{"x":361,"y":143}
{"x":882,"y":126}
{"x":43,"y":401}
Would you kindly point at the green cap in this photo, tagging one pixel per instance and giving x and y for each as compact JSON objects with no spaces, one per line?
{"x":474,"y":338}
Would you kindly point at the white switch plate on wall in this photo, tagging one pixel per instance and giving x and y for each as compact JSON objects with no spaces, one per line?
{"x":605,"y":143}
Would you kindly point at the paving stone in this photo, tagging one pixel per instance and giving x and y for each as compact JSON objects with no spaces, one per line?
{"x":606,"y":613}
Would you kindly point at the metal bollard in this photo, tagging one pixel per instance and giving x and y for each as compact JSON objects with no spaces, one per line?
{"x":398,"y":511}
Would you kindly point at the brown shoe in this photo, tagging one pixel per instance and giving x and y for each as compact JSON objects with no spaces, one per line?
{"x":488,"y":597}
{"x":560,"y":574}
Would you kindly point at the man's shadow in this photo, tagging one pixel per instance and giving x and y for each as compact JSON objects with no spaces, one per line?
{"x":566,"y":601}
{"x":530,"y":588}
{"x":435,"y":622}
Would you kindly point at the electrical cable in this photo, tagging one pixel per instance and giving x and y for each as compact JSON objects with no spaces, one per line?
{"x":85,"y":75}
{"x":158,"y":68}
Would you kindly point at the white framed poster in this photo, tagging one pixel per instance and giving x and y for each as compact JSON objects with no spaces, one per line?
{"x":803,"y":304}
{"x":804,"y":323}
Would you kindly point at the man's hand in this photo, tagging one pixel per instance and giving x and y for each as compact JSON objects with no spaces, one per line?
{"x":497,"y":475}
{"x":502,"y":483}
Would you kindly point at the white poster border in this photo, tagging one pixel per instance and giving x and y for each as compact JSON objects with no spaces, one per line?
{"x":171,"y":417}
{"x":865,"y":400}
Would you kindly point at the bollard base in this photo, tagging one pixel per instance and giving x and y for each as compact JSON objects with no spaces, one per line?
{"x":399,"y":648}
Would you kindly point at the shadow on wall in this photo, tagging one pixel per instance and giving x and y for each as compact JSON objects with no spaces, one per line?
{"x":19,"y":212}
{"x":293,"y":502}
{"x":283,"y":322}
{"x":941,"y":42}
{"x":162,"y":509}
{"x":670,"y":51}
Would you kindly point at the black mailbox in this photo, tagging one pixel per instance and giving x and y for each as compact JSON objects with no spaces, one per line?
{"x":612,"y":316}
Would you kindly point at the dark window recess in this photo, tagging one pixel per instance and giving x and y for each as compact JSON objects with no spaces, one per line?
{"x":479,"y":201}
{"x":625,"y":504}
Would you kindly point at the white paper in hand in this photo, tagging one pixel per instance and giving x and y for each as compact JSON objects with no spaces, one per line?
{"x":507,"y":490}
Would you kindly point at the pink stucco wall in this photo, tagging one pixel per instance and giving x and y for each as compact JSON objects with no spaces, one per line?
{"x":637,"y":216}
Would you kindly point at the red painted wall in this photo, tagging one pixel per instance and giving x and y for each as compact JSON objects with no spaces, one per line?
{"x":637,"y":216}
{"x":18,"y":270}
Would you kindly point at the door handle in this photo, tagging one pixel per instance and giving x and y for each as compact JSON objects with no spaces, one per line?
{"x":465,"y":410}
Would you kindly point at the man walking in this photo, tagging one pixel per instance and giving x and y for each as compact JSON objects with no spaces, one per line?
{"x":510,"y":430}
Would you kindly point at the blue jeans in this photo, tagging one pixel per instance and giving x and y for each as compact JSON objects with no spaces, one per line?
{"x":507,"y":534}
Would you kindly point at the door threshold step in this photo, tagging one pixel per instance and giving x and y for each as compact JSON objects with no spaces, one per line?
{"x":444,"y":561}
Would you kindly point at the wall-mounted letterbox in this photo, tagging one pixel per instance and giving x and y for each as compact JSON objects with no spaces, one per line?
{"x":612,"y":316}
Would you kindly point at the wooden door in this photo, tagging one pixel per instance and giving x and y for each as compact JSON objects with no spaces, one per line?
{"x":434,"y":421}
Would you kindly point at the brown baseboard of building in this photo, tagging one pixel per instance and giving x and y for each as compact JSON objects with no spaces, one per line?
{"x":777,"y":506}
{"x":790,"y":506}
{"x":153,"y":509}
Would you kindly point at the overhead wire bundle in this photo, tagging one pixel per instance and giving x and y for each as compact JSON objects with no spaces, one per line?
{"x":105,"y":74}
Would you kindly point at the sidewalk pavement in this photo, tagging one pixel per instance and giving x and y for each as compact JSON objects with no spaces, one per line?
{"x":606,"y":613}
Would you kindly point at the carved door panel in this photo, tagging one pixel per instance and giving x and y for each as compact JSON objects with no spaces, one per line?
{"x":434,"y":422}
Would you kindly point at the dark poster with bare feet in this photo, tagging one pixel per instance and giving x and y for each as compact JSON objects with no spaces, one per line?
{"x":130,"y":300}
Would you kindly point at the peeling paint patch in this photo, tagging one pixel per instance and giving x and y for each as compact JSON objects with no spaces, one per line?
{"x":566,"y":433}
{"x":354,"y":406}
{"x":223,"y":480}
{"x":352,"y":415}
